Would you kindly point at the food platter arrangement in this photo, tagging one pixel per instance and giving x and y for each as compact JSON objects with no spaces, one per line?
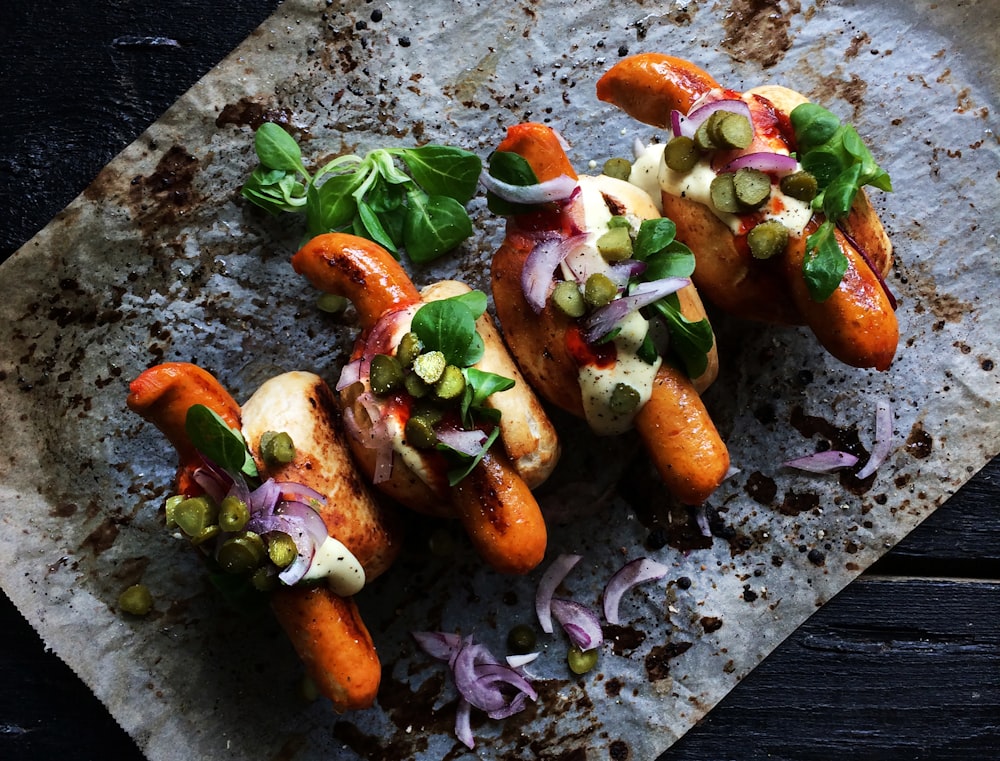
{"x":342,"y":258}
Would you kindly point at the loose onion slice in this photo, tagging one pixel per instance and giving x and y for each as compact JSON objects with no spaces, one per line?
{"x":604,"y":320}
{"x":823,"y":462}
{"x":517,"y":661}
{"x":467,"y":442}
{"x":629,"y":575}
{"x":541,"y":263}
{"x":764,"y":162}
{"x":688,"y":125}
{"x":883,"y":438}
{"x":557,"y":189}
{"x":579,"y":622}
{"x":551,"y":579}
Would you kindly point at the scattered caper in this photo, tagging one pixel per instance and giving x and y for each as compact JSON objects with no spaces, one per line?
{"x":332,"y":303}
{"x":681,"y":154}
{"x":195,"y":514}
{"x":281,"y":549}
{"x":136,"y":600}
{"x":730,"y":130}
{"x":233,"y":514}
{"x":624,"y":399}
{"x":752,"y":187}
{"x":568,"y":299}
{"x":409,"y":349}
{"x":264,"y":579}
{"x":521,"y":639}
{"x":451,"y":384}
{"x":767,"y":239}
{"x":599,"y":290}
{"x":385,"y":374}
{"x":419,"y":432}
{"x":209,"y":532}
{"x":581,"y":661}
{"x":170,"y":506}
{"x":723,"y":193}
{"x":801,"y":186}
{"x":429,"y":366}
{"x":703,"y":138}
{"x":615,"y":245}
{"x":242,"y":553}
{"x":415,"y":387}
{"x":277,"y":448}
{"x":618,"y":168}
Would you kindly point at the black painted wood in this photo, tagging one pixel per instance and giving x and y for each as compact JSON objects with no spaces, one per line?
{"x":904,"y":664}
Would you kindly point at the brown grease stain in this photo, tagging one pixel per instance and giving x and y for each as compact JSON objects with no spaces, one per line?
{"x":249,"y":113}
{"x":919,"y":443}
{"x":758,"y":30}
{"x":658,"y":660}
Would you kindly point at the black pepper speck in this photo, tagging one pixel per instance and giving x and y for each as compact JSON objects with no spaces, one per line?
{"x":404,"y":42}
{"x":376,"y":15}
{"x":623,"y":50}
{"x":816,"y":557}
{"x":684,"y":582}
{"x":361,"y":25}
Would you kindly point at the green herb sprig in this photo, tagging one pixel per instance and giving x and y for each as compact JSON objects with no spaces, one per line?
{"x":213,"y":437}
{"x":421,"y":210}
{"x":839,"y":159}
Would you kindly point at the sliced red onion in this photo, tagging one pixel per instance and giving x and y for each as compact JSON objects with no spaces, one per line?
{"x":883,"y":439}
{"x":463,"y":723}
{"x":629,"y":575}
{"x":604,"y":320}
{"x":688,"y":125}
{"x":621,"y":272}
{"x":440,"y":645}
{"x":349,"y":375}
{"x":519,"y":660}
{"x":467,"y":442}
{"x":541,"y":263}
{"x":550,"y":580}
{"x":557,"y":189}
{"x":823,"y":462}
{"x":764,"y":162}
{"x":701,"y":520}
{"x":579,"y":622}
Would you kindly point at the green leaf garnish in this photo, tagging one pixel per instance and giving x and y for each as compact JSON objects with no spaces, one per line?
{"x":513,"y":169}
{"x":455,"y":475}
{"x":449,"y":326}
{"x":420,"y":210}
{"x":213,"y":437}
{"x":842,"y":164}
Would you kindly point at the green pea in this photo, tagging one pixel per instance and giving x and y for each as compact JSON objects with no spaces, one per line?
{"x":136,"y":600}
{"x":752,"y":187}
{"x":451,"y":384}
{"x":233,"y":514}
{"x":723,"y":193}
{"x":277,"y":448}
{"x":681,"y":154}
{"x":242,"y":553}
{"x":195,"y":514}
{"x":801,"y":186}
{"x":567,"y":298}
{"x":409,"y":349}
{"x":385,"y":375}
{"x":281,"y":549}
{"x":767,"y":239}
{"x":581,"y":661}
{"x":521,"y":639}
{"x":429,"y":366}
{"x":599,"y":290}
{"x":618,"y":168}
{"x":624,"y":399}
{"x":615,"y":245}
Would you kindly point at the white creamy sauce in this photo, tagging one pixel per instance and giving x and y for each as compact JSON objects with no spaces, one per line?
{"x":651,"y":173}
{"x":598,"y":383}
{"x":336,"y":564}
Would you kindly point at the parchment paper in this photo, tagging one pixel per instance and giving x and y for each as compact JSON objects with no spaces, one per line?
{"x":161,"y":260}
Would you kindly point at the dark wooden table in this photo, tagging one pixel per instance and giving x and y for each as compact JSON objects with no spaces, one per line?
{"x":904,"y":664}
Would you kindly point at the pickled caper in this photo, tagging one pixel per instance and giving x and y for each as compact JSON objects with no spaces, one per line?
{"x":170,"y":506}
{"x":386,"y":374}
{"x":730,"y":130}
{"x":624,"y":399}
{"x":568,"y":299}
{"x":277,"y":448}
{"x":264,"y":579}
{"x":409,"y":349}
{"x":615,"y":245}
{"x":723,"y":193}
{"x":416,"y":387}
{"x":429,"y":366}
{"x":136,"y":600}
{"x":332,"y":303}
{"x":703,"y":138}
{"x":752,"y":187}
{"x":195,"y":514}
{"x":801,"y":186}
{"x":681,"y":154}
{"x":233,"y":514}
{"x":419,"y":432}
{"x":209,"y":532}
{"x":242,"y":553}
{"x":767,"y":239}
{"x":581,"y":661}
{"x":521,"y":639}
{"x":599,"y":290}
{"x":281,"y":549}
{"x":451,"y":384}
{"x":618,"y":168}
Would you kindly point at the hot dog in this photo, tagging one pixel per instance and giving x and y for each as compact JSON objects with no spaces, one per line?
{"x":321,"y":619}
{"x":853,"y":318}
{"x":398,"y":431}
{"x":551,"y":345}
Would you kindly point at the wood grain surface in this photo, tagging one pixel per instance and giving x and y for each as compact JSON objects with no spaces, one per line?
{"x":904,"y":664}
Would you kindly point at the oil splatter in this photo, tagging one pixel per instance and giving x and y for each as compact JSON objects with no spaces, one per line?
{"x":757,"y":30}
